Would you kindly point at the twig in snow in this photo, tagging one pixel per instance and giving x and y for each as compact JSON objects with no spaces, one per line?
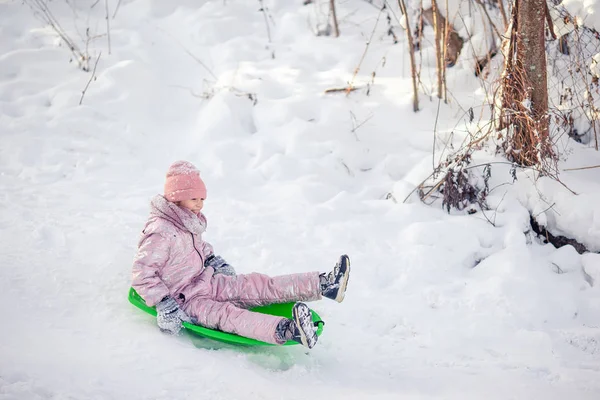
{"x":209,"y":93}
{"x":382,"y":62}
{"x":437,"y":116}
{"x":107,"y":25}
{"x":42,"y":10}
{"x":578,"y":169}
{"x":541,"y":212}
{"x":345,"y":89}
{"x":355,"y":127}
{"x":487,"y":95}
{"x":558,"y":269}
{"x":336,"y":28}
{"x":116,"y":9}
{"x":263,"y":9}
{"x":495,"y":210}
{"x":348,"y":170}
{"x":504,"y":19}
{"x":350,"y":84}
{"x":199,"y":61}
{"x":495,"y":162}
{"x":90,"y":80}
{"x":487,"y":218}
{"x":490,"y":18}
{"x":387,"y":6}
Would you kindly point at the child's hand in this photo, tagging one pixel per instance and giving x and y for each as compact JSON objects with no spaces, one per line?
{"x":225,"y":269}
{"x":219,"y":265}
{"x":169,"y":316}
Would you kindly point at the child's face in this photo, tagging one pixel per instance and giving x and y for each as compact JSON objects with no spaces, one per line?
{"x":194,"y":205}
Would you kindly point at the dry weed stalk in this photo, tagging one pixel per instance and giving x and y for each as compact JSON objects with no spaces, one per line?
{"x":43,"y":12}
{"x":453,"y":179}
{"x":265,"y":11}
{"x":346,"y":90}
{"x":350,"y":87}
{"x":582,"y":168}
{"x":93,"y":77}
{"x":107,"y":26}
{"x":503,"y":13}
{"x":593,"y":115}
{"x":117,"y":9}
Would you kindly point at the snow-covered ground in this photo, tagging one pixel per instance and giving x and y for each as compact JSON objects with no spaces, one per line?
{"x":440,"y":306}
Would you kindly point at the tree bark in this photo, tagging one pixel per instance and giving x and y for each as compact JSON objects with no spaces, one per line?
{"x":411,"y":52}
{"x":531,"y":20}
{"x":524,"y":108}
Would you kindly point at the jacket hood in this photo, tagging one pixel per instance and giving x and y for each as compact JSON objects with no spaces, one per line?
{"x":182,"y":218}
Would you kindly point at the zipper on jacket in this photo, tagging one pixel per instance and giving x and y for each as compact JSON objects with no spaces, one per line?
{"x":197,"y":251}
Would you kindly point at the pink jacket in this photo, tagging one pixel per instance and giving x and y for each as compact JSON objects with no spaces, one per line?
{"x":171,"y":253}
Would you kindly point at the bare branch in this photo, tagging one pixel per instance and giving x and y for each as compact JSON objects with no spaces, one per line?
{"x":117,"y":9}
{"x":550,"y":23}
{"x":581,"y":168}
{"x":90,"y":80}
{"x":490,"y":18}
{"x":345,"y":89}
{"x":336,"y":28}
{"x":41,"y":9}
{"x":107,"y":25}
{"x":199,"y":61}
{"x":437,"y":116}
{"x":350,"y":84}
{"x":263,"y":9}
{"x":504,"y":19}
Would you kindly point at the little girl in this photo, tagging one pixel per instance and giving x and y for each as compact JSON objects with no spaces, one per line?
{"x":178,"y":272}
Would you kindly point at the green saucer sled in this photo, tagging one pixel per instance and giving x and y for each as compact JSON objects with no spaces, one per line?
{"x":282,"y":310}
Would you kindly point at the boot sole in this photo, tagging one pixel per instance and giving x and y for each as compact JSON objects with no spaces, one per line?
{"x":344,"y":281}
{"x":303,"y":320}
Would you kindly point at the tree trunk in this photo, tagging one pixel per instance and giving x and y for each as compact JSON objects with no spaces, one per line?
{"x":524,"y":108}
{"x":531,"y":20}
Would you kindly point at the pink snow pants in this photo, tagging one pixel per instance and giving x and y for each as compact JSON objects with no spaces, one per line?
{"x":223,"y":301}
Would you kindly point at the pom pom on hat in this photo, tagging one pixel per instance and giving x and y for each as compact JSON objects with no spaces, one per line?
{"x":184,"y":182}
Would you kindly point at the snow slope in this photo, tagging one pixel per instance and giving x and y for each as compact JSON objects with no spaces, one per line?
{"x":439,"y":306}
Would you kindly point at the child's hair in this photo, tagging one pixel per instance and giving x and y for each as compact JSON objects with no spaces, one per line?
{"x":184,"y":182}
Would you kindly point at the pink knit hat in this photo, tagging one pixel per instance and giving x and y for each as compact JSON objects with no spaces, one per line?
{"x":184,"y":183}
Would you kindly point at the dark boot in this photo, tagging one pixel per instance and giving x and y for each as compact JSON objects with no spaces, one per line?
{"x":304,"y":330}
{"x":333,"y":285}
{"x":300,"y":329}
